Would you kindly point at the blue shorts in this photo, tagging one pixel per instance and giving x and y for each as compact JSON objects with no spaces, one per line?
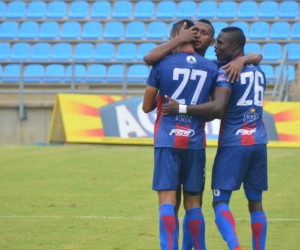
{"x":235,"y":165}
{"x":174,"y":167}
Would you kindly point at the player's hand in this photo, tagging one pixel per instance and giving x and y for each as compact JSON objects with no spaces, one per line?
{"x":171,"y":108}
{"x":233,"y":70}
{"x":188,"y":35}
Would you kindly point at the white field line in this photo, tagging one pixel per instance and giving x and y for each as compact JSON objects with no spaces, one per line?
{"x":119,"y":217}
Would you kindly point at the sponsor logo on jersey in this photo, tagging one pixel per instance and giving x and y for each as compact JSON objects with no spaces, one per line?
{"x":182,"y":132}
{"x":221,"y":78}
{"x":246,"y":131}
{"x":191,"y":59}
{"x":251,"y":117}
{"x":184,"y":118}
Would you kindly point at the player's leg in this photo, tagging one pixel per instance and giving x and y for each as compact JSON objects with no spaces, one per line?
{"x":177,"y":206}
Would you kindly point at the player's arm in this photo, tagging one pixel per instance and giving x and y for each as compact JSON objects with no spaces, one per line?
{"x":150,"y":99}
{"x":216,"y":107}
{"x":234,"y":68}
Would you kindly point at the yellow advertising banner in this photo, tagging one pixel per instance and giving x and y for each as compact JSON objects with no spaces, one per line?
{"x":109,"y":119}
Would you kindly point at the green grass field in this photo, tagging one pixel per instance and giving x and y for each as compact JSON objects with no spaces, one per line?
{"x":100,"y":197}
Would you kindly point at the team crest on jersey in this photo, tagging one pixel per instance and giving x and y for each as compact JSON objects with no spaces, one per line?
{"x":191,"y":59}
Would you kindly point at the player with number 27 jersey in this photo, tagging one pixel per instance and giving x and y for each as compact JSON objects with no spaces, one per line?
{"x":242,"y":123}
{"x":193,"y":81}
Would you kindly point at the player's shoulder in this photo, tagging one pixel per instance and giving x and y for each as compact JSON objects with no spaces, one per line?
{"x":208,"y":63}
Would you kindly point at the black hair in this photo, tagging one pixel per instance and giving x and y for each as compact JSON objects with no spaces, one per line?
{"x":237,"y":35}
{"x":209,"y":23}
{"x":177,"y":26}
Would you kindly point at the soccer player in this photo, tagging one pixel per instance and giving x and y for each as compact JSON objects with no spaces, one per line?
{"x":242,"y":155}
{"x":179,"y":140}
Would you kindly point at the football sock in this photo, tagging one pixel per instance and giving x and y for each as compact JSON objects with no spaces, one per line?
{"x":176,"y":234}
{"x":167,"y":224}
{"x":259,"y":230}
{"x":196,"y":227}
{"x":226,"y":225}
{"x":187,"y":243}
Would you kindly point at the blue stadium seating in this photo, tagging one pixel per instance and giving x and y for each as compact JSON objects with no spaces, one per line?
{"x":137,"y":73}
{"x":259,"y":30}
{"x":61,"y":51}
{"x":252,"y":47}
{"x":4,"y":50}
{"x":79,"y":9}
{"x":186,"y":9}
{"x":57,"y":9}
{"x":135,"y":30}
{"x":144,"y":9}
{"x":33,"y":73}
{"x":41,"y":51}
{"x":1,"y":73}
{"x":54,"y":73}
{"x":28,"y":30}
{"x":126,"y":51}
{"x":290,"y":69}
{"x":122,"y":9}
{"x":70,"y":30}
{"x":280,"y":30}
{"x":207,"y":9}
{"x":248,"y":9}
{"x":20,"y":51}
{"x":16,"y":9}
{"x":271,"y":51}
{"x":288,"y":9}
{"x":219,"y":26}
{"x":269,"y":72}
{"x":96,"y":73}
{"x":11,"y":73}
{"x":210,"y":53}
{"x":295,"y":33}
{"x":227,"y":9}
{"x":143,"y":50}
{"x":115,"y":73}
{"x":268,"y":9}
{"x":36,"y":9}
{"x":83,"y":51}
{"x":2,"y":9}
{"x":8,"y":30}
{"x":79,"y":73}
{"x":293,"y":51}
{"x":242,"y":25}
{"x":92,"y":30}
{"x":157,"y":30}
{"x":166,"y":9}
{"x":101,"y":9}
{"x":48,"y":30}
{"x":113,"y":30}
{"x":104,"y":51}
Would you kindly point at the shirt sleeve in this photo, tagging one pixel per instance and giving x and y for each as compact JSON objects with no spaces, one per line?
{"x":222,"y":79}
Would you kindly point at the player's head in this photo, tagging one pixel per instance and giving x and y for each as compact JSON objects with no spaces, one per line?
{"x":177,"y":26}
{"x":206,"y":36}
{"x":230,"y":43}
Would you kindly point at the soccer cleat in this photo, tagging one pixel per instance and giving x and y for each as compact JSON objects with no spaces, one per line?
{"x":237,"y":248}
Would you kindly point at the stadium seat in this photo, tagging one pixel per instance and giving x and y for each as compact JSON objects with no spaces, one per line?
{"x":135,"y":30}
{"x":280,"y":30}
{"x":57,"y":9}
{"x":79,"y":9}
{"x":20,"y":51}
{"x":11,"y":73}
{"x":290,"y":69}
{"x":49,"y":30}
{"x":259,"y":30}
{"x":144,"y":9}
{"x":101,"y":9}
{"x":242,"y":25}
{"x":83,"y":51}
{"x":170,"y":26}
{"x":33,"y":73}
{"x":295,"y":33}
{"x":36,"y":9}
{"x":122,"y":9}
{"x":96,"y":73}
{"x":126,"y":52}
{"x":186,"y":9}
{"x":227,"y":9}
{"x":1,"y":73}
{"x":4,"y":51}
{"x":41,"y":51}
{"x":210,"y":53}
{"x":79,"y":73}
{"x":207,"y":9}
{"x":219,"y":26}
{"x":61,"y":51}
{"x":54,"y":73}
{"x":166,"y":9}
{"x":288,"y":9}
{"x":293,"y":51}
{"x":137,"y":73}
{"x":92,"y":30}
{"x":70,"y":30}
{"x":113,"y":30}
{"x":143,"y":50}
{"x":8,"y":30}
{"x":271,"y":51}
{"x":268,"y":9}
{"x":248,"y":9}
{"x":115,"y":73}
{"x":104,"y":51}
{"x":252,"y":47}
{"x":2,"y":9}
{"x":269,"y":72}
{"x":28,"y":30}
{"x":16,"y":9}
{"x":157,"y":30}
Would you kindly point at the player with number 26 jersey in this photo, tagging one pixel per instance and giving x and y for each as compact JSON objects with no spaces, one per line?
{"x":193,"y":81}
